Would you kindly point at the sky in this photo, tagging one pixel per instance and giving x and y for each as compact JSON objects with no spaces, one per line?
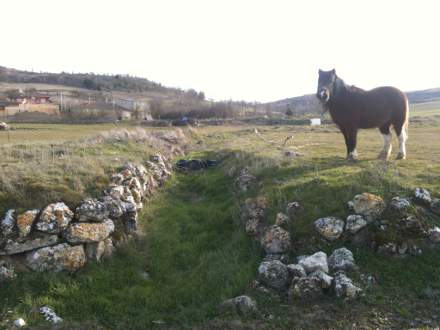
{"x":231,"y":49}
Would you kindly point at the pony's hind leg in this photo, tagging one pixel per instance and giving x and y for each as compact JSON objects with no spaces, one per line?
{"x":402,"y":135}
{"x":386,"y":135}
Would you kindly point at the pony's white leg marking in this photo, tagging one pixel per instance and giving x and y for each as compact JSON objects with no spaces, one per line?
{"x":353,"y":155}
{"x":386,"y":150}
{"x":402,"y":144}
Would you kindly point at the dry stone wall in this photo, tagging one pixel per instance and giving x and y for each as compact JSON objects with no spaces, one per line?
{"x":58,"y":238}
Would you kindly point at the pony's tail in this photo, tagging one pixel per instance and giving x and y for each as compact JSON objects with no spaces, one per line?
{"x":406,"y":123}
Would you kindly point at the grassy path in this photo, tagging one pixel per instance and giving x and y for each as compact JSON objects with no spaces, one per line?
{"x":193,"y":253}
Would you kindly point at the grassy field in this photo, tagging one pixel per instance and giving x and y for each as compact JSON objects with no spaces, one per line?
{"x":425,"y":109}
{"x":196,"y":254}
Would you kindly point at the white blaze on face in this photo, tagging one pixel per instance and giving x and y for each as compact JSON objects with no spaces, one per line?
{"x":324,"y":95}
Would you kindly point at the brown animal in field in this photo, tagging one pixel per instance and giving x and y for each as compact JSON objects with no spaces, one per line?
{"x":352,"y":108}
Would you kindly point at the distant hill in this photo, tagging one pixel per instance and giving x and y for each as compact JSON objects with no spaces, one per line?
{"x":91,"y":81}
{"x":423,"y":96}
{"x":309,"y":104}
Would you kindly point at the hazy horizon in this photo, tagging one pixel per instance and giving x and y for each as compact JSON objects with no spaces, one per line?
{"x":243,"y":50}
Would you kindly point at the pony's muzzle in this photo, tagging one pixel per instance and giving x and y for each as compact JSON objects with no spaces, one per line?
{"x":323,"y":95}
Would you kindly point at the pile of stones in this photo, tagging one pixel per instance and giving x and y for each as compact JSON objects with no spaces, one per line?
{"x":58,"y":239}
{"x":312,"y":276}
{"x":399,"y":228}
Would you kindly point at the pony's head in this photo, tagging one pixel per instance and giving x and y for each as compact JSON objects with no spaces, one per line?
{"x":326,"y":85}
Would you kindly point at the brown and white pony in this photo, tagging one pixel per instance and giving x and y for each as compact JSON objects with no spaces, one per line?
{"x":352,"y":108}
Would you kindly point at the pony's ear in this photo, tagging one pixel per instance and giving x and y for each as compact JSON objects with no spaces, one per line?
{"x":334,"y":71}
{"x":319,"y":71}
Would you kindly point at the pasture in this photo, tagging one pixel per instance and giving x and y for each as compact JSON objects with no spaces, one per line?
{"x":194,"y":252}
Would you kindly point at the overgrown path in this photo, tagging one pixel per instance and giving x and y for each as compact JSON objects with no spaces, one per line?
{"x":192,"y":257}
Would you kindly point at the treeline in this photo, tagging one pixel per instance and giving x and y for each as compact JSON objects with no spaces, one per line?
{"x":200,"y":110}
{"x":91,"y":81}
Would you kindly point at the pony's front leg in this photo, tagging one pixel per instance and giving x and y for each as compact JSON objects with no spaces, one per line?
{"x":352,"y":155}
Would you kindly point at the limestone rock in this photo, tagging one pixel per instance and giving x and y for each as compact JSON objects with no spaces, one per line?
{"x":411,"y":225}
{"x":325,"y":279}
{"x":330,"y":228}
{"x":292,"y":209}
{"x":296,"y":270}
{"x":98,"y":250}
{"x":282,"y":220}
{"x":434,"y":235}
{"x":25,"y":222}
{"x":50,"y":315}
{"x":274,"y":274}
{"x":13,"y":247}
{"x":117,"y":178}
{"x":54,"y":218}
{"x":242,"y":305}
{"x":422,"y":196}
{"x":355,"y":223}
{"x":341,"y":259}
{"x":387,"y":249}
{"x":253,"y":213}
{"x":20,"y":323}
{"x":114,"y":207}
{"x":435,"y":205}
{"x":400,"y":205}
{"x":276,"y":240}
{"x":317,"y":261}
{"x":6,"y":273}
{"x":305,"y":288}
{"x":245,"y":180}
{"x":116,"y":192}
{"x":7,"y":225}
{"x":61,"y":257}
{"x":131,"y":223}
{"x":92,"y":210}
{"x":344,"y":287}
{"x":85,"y":232}
{"x":368,"y":205}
